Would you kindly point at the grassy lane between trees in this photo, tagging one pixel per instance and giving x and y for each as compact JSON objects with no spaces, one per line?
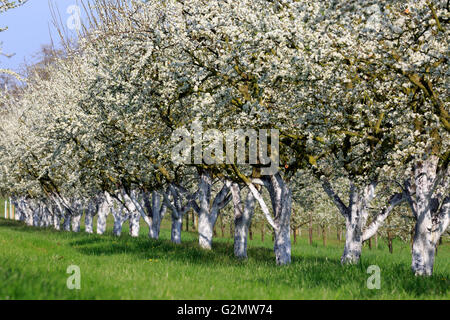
{"x":34,"y":262}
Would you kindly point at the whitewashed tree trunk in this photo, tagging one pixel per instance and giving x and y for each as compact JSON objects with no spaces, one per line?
{"x":355,"y":215}
{"x":28,"y":211}
{"x":46,"y":220}
{"x":281,"y":198}
{"x":77,"y":213}
{"x":207,"y":212}
{"x":103,"y":211}
{"x":135,"y":219}
{"x":37,"y":215}
{"x":17,"y":211}
{"x":57,"y":222}
{"x":119,"y":219}
{"x":178,"y":209}
{"x":89,"y":222}
{"x":431,"y":210}
{"x":177,"y":225}
{"x":205,"y":231}
{"x":155,"y":210}
{"x":67,"y":221}
{"x":394,"y":201}
{"x":76,"y":223}
{"x":242,"y":220}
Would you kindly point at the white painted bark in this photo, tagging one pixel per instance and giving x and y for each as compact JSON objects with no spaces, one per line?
{"x":207,"y":212}
{"x":67,"y":221}
{"x":155,"y":210}
{"x":135,"y":219}
{"x":17,"y":210}
{"x":46,"y":218}
{"x":76,"y":223}
{"x":281,"y":198}
{"x":77,"y":213}
{"x":242,"y":220}
{"x":431,"y":212}
{"x":119,"y":219}
{"x":91,"y":210}
{"x":119,"y":215}
{"x":103,"y":211}
{"x":28,"y":211}
{"x":177,"y":224}
{"x":178,"y":210}
{"x":57,"y":222}
{"x":372,"y":229}
{"x":36,"y":215}
{"x":89,"y":223}
{"x":355,"y":215}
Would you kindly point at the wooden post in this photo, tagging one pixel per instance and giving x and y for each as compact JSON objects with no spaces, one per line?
{"x":310,"y":229}
{"x":231,"y":229}
{"x":263,"y":231}
{"x":391,"y":249}
{"x":376,"y":240}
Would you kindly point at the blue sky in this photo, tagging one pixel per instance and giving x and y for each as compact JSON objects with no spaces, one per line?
{"x":29,"y":27}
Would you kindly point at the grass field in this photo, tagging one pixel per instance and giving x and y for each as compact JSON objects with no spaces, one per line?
{"x":33,"y":265}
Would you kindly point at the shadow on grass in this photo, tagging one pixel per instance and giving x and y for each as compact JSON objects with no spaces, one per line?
{"x":309,"y":269}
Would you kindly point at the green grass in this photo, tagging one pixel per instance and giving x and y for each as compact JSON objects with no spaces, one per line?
{"x":33,"y":264}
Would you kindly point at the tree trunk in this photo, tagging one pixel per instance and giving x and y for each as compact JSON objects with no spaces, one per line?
{"x":355,"y":217}
{"x":207,"y":212}
{"x":376,"y":240}
{"x":76,"y":223}
{"x":295,"y":236}
{"x":103,"y":212}
{"x":205,"y":231}
{"x":89,"y":223}
{"x":118,"y":221}
{"x":432,"y":215}
{"x":231,"y":230}
{"x":135,"y":224}
{"x":263,"y":231}
{"x":324,"y":236}
{"x":353,"y":243}
{"x":242,"y":220}
{"x":310,"y":229}
{"x":177,"y":225}
{"x":155,"y":211}
{"x":423,"y":250}
{"x":222,"y":227}
{"x":389,"y":238}
{"x":56,"y":222}
{"x":37,"y":217}
{"x":67,"y":221}
{"x":282,"y":203}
